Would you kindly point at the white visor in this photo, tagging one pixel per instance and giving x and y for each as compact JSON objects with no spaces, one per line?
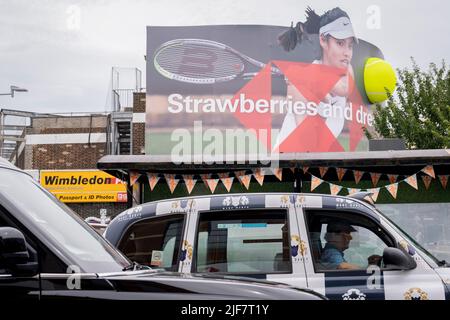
{"x":340,"y":29}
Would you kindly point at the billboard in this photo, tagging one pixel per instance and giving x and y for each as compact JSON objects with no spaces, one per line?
{"x":83,"y":186}
{"x":257,"y":89}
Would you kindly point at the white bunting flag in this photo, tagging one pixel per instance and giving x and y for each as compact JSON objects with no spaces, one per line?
{"x":278,"y":172}
{"x":245,"y":180}
{"x":134,"y":176}
{"x":315,"y":182}
{"x":334,"y":189}
{"x":412,"y":181}
{"x":190,"y":182}
{"x":353,"y":191}
{"x":226,"y":180}
{"x":259,"y":175}
{"x":171,"y":181}
{"x":212,"y":184}
{"x":153,"y":179}
{"x":375,"y":193}
{"x":392,"y":188}
{"x":429,"y":171}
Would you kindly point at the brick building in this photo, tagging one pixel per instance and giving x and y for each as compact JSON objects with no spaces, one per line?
{"x":72,"y":143}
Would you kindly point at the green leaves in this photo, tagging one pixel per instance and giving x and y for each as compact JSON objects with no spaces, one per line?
{"x":419,"y":111}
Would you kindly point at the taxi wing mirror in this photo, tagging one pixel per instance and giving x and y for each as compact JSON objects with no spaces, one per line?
{"x":398,"y":259}
{"x":14,"y":252}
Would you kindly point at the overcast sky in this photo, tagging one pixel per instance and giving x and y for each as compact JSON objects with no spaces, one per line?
{"x":63,"y":51}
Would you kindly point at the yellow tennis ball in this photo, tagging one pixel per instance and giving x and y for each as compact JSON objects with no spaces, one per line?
{"x":378,"y":76}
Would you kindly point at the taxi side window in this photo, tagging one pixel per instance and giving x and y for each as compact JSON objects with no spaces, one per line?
{"x":154,"y":242}
{"x":345,"y":241}
{"x":245,"y":242}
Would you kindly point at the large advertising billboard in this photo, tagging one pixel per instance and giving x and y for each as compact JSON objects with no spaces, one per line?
{"x":256,"y":89}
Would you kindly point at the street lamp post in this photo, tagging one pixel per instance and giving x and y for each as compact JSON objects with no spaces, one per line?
{"x":14,"y":89}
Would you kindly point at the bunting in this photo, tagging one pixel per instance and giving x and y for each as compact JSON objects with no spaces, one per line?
{"x":189,"y":181}
{"x":259,"y":175}
{"x":205,"y":177}
{"x":134,"y":176}
{"x":412,"y":181}
{"x":212,"y":184}
{"x":429,"y":171}
{"x":392,"y":188}
{"x":171,"y":181}
{"x":227,"y":182}
{"x":375,"y":193}
{"x":426,"y":181}
{"x":245,"y":180}
{"x":334,"y":189}
{"x":375,"y":178}
{"x":392,"y":178}
{"x":278,"y":172}
{"x":340,"y":173}
{"x":152,"y":180}
{"x":444,"y":180}
{"x":315,"y":182}
{"x":353,"y":190}
{"x":323,"y":171}
{"x":358,"y":175}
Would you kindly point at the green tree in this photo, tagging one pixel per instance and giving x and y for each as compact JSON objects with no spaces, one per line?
{"x":419,"y":110}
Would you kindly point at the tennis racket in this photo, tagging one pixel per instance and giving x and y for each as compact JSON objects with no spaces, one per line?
{"x":202,"y":61}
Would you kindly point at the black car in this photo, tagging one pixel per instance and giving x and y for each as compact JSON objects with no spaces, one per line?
{"x":48,"y":252}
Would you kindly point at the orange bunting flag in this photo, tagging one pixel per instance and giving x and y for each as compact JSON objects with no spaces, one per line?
{"x":358,"y":175}
{"x":375,"y":178}
{"x":392,"y":188}
{"x":305,"y":169}
{"x":426,"y":181}
{"x":259,"y":175}
{"x":429,"y":171}
{"x":245,"y":180}
{"x":375,"y":193}
{"x":392,"y":178}
{"x":278,"y":172}
{"x":340,"y":173}
{"x":205,"y":177}
{"x":412,"y":181}
{"x":171,"y":181}
{"x":444,"y":180}
{"x":189,"y":181}
{"x":212,"y":184}
{"x":152,"y":180}
{"x":227,"y":181}
{"x":315,"y":182}
{"x":334,"y":189}
{"x":134,"y":176}
{"x":353,"y":191}
{"x":323,"y":170}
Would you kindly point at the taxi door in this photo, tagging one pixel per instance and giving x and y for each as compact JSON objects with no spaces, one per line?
{"x":255,"y":236}
{"x":368,"y":282}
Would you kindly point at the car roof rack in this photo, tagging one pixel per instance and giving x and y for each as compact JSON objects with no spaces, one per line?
{"x":365,"y":196}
